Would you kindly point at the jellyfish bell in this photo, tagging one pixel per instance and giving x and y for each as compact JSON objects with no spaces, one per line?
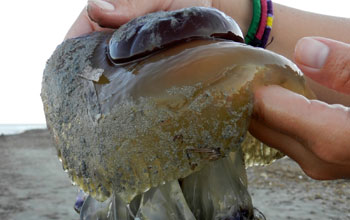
{"x":153,"y":118}
{"x":160,"y":30}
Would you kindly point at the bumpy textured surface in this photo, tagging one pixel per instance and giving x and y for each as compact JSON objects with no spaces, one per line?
{"x":125,"y":129}
{"x":142,"y":141}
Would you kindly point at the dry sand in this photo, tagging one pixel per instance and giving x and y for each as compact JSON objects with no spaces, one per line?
{"x":33,"y":186}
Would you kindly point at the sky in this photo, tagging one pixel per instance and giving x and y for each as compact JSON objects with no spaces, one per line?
{"x":31,"y":30}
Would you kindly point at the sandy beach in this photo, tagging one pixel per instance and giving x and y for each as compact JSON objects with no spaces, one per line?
{"x":33,"y":186}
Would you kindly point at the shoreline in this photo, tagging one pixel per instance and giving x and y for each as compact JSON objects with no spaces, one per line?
{"x":33,"y":185}
{"x":13,"y":129}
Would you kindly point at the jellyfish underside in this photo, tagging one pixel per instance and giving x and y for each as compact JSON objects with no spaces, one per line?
{"x":164,"y":136}
{"x":198,"y":104}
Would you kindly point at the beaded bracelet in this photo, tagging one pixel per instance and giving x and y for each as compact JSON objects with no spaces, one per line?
{"x":261,"y":25}
{"x":259,"y":34}
{"x":269,"y":23}
{"x":254,"y":23}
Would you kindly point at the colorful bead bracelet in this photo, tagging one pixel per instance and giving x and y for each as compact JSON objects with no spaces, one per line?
{"x":261,"y":24}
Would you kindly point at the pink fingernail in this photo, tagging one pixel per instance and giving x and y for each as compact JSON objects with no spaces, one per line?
{"x":104,"y":5}
{"x":311,"y":52}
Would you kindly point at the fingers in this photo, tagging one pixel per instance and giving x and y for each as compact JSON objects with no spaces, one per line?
{"x":322,"y":129}
{"x":112,"y":13}
{"x":105,"y":14}
{"x":325,"y":61}
{"x":82,"y":25}
{"x":109,"y":14}
{"x":308,"y":161}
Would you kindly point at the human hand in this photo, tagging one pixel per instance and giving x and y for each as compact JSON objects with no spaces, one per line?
{"x":112,"y":14}
{"x":316,"y":135}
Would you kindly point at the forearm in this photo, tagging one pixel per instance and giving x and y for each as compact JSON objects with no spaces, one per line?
{"x":289,"y":24}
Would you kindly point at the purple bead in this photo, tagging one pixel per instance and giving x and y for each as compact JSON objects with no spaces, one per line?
{"x":79,"y":201}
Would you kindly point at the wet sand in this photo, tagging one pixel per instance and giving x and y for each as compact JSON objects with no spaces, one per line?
{"x":33,"y":186}
{"x":282,"y":191}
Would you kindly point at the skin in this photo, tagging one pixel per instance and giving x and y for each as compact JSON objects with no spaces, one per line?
{"x":315,"y":133}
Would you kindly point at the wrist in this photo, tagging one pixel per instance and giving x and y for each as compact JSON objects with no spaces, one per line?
{"x":240,"y":10}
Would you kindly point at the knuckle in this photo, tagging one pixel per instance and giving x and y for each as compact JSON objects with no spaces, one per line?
{"x":324,"y":152}
{"x":341,"y":78}
{"x":331,"y":153}
{"x":333,"y":146}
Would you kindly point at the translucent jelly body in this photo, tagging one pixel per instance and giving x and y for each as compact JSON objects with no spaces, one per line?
{"x":128,"y":133}
{"x":170,"y":114}
{"x":161,"y":118}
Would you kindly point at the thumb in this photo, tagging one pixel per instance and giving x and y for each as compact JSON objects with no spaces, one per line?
{"x":112,"y":13}
{"x":325,"y":61}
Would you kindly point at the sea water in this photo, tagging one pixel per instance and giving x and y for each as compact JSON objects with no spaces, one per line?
{"x":9,"y":129}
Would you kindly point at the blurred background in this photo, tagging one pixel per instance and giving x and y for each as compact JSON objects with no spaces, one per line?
{"x":33,"y":185}
{"x":31,"y":30}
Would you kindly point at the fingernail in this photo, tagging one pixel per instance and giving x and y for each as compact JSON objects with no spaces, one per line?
{"x":311,"y":52}
{"x":104,"y":5}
